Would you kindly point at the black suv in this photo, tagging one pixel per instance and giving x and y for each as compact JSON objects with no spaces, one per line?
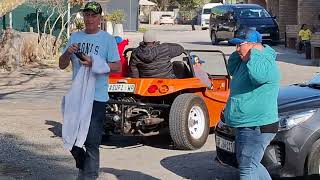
{"x":231,"y":20}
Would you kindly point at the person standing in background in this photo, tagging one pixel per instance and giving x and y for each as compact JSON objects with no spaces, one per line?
{"x":304,"y":37}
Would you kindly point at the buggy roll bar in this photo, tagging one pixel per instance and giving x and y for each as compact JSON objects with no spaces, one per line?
{"x":207,"y":50}
{"x":187,"y":53}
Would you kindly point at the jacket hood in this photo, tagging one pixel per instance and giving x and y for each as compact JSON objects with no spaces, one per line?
{"x":267,"y":53}
{"x":270,"y":53}
{"x":145,"y":53}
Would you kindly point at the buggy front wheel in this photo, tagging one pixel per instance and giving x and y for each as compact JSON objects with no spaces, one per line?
{"x":189,"y":122}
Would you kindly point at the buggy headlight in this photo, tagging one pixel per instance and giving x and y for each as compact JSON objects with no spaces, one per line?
{"x":287,"y":122}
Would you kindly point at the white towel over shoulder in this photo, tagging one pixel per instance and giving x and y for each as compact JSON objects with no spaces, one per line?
{"x":78,"y":102}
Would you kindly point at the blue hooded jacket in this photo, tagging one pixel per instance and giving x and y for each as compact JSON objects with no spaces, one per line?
{"x":254,"y":89}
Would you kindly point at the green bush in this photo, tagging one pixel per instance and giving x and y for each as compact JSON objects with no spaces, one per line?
{"x":142,"y":30}
{"x":117,"y":16}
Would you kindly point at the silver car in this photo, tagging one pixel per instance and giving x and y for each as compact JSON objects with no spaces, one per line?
{"x":295,"y":151}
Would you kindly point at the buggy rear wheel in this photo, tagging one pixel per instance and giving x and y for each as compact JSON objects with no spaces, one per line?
{"x":189,"y":122}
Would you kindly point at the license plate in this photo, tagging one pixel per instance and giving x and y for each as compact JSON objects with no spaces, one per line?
{"x":225,"y":144}
{"x":121,"y":87}
{"x":265,"y":34}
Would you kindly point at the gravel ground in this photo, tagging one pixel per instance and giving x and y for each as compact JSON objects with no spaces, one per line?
{"x":30,"y":131}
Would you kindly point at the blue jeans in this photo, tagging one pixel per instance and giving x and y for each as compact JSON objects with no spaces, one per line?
{"x":250,"y":147}
{"x":92,"y":154}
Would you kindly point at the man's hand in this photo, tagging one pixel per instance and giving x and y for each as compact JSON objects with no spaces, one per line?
{"x":72,"y":49}
{"x":86,"y":60}
{"x":64,"y":59}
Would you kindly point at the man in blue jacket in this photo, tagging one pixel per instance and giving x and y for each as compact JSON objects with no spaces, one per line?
{"x":252,"y":106}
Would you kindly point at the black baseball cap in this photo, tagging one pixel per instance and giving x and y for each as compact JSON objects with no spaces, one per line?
{"x":92,"y":6}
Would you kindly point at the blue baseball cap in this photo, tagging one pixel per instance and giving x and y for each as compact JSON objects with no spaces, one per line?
{"x":251,"y":36}
{"x":118,"y":39}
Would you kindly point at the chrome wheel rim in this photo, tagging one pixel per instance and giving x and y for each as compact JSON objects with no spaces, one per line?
{"x":196,"y":122}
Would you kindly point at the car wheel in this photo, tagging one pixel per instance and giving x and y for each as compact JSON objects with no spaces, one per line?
{"x":214,"y":39}
{"x":314,"y":159}
{"x":189,"y":122}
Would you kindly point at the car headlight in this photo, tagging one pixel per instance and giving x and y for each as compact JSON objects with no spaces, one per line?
{"x":287,"y":122}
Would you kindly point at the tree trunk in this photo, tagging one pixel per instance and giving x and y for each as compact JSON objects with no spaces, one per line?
{"x":38,"y":26}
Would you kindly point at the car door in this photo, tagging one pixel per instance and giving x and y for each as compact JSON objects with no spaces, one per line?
{"x":231,"y":23}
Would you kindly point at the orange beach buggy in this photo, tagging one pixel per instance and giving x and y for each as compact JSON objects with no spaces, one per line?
{"x":185,"y":105}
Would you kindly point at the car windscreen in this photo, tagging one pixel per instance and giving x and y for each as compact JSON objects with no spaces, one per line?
{"x":206,"y":11}
{"x":211,"y":62}
{"x":243,"y":13}
{"x":315,"y":80}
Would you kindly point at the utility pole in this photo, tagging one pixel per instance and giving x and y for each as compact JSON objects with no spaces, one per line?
{"x":10,"y":20}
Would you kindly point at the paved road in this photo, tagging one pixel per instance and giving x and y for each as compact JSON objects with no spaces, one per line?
{"x":30,"y":131}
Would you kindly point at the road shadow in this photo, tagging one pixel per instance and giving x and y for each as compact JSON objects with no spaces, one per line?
{"x":20,"y":159}
{"x":203,"y":166}
{"x":199,"y":166}
{"x":199,"y":42}
{"x":162,"y":141}
{"x":27,"y":83}
{"x":223,"y":43}
{"x":291,"y":56}
{"x":123,"y":174}
{"x":56,"y":128}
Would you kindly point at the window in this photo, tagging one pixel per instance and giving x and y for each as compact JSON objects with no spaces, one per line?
{"x":206,"y":11}
{"x":219,"y":10}
{"x":252,"y":13}
{"x":166,"y":15}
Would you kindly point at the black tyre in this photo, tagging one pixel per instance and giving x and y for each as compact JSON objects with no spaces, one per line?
{"x":189,"y":122}
{"x":214,"y":40}
{"x":314,"y":159}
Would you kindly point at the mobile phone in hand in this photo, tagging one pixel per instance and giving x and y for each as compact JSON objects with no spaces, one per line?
{"x":80,"y":56}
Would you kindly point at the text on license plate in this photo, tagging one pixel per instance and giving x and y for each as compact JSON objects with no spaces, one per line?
{"x":225,"y":144}
{"x":121,"y":88}
{"x":265,"y":34}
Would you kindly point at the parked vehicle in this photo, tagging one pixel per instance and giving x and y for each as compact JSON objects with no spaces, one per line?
{"x":295,"y":150}
{"x":205,"y":14}
{"x":184,"y":105}
{"x":143,"y":19}
{"x":231,"y":20}
{"x":166,"y":19}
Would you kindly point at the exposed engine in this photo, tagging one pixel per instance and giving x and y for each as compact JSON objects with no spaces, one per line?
{"x":128,"y":115}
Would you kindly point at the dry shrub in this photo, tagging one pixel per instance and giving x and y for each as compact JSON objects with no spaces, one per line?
{"x":22,"y":48}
